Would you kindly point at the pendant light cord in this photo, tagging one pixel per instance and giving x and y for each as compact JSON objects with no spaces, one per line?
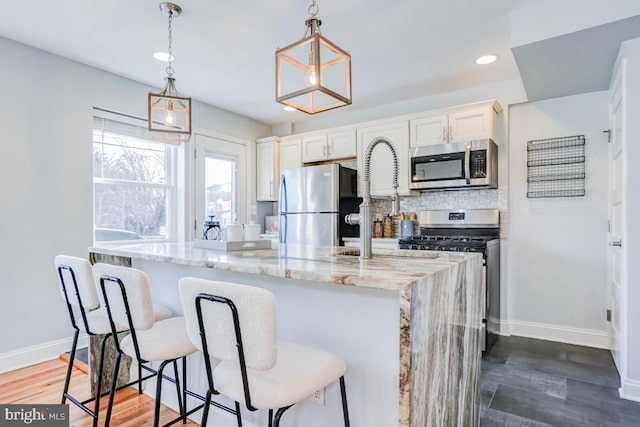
{"x":169,"y":69}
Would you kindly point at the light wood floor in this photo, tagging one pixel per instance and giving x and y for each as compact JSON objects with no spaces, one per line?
{"x":43,"y":383}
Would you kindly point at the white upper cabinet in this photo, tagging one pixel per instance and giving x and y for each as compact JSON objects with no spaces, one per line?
{"x":462,"y":124}
{"x":314,"y":148}
{"x":429,"y":130}
{"x":476,"y":123}
{"x":267,"y":169}
{"x":290,"y":153}
{"x":381,"y":167}
{"x":342,"y":144}
{"x":329,"y":146}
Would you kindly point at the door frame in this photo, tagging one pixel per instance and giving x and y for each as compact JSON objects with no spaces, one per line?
{"x":207,"y":141}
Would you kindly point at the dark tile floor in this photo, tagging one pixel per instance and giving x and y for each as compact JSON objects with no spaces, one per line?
{"x":527,"y":382}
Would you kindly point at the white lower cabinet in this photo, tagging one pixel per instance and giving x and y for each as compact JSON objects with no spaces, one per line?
{"x":381,"y":168}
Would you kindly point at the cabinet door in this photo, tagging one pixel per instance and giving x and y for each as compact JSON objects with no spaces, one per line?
{"x":428,"y":130}
{"x":342,"y":145}
{"x":314,"y":148}
{"x":266,"y":169}
{"x":477,"y":123}
{"x":381,"y":168}
{"x":290,"y":154}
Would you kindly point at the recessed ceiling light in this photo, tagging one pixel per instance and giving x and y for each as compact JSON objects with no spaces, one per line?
{"x":163,"y":56}
{"x":486,"y":59}
{"x":288,"y":108}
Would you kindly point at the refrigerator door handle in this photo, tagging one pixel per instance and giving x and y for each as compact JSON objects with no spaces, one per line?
{"x":283,"y":194}
{"x":283,"y":216}
{"x":283,"y":228}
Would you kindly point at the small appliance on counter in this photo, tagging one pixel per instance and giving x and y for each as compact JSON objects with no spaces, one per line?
{"x":313,"y":200}
{"x":233,"y":237}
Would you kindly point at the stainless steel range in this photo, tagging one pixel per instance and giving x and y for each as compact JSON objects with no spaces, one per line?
{"x":467,"y":230}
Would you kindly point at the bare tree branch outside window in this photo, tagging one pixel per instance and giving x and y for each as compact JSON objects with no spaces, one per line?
{"x":131,"y":187}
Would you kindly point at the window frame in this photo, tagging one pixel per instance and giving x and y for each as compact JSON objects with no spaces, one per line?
{"x":172,"y":174}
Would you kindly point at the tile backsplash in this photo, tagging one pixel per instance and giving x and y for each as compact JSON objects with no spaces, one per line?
{"x":461,"y":199}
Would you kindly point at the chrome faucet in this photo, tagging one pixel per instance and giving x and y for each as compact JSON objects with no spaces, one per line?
{"x":364,"y":218}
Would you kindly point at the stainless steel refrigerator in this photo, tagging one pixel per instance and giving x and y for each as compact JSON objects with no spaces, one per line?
{"x":313,"y":203}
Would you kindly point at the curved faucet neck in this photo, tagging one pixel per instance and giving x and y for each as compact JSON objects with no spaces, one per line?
{"x":366,"y":180}
{"x":365,"y":207}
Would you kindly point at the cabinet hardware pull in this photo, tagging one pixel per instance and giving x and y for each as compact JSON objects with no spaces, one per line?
{"x":324,"y":151}
{"x":271,"y":188}
{"x":616,"y":243}
{"x":450,"y":133}
{"x":444,"y":134}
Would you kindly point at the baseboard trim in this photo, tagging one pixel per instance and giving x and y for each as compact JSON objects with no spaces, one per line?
{"x":585,"y":337}
{"x":630,"y":390}
{"x":28,"y":356}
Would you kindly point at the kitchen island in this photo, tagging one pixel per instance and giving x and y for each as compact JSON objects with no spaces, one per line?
{"x":406,"y":322}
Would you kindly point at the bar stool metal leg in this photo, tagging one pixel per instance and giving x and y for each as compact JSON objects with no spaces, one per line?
{"x":345,"y":409}
{"x":72,"y":356}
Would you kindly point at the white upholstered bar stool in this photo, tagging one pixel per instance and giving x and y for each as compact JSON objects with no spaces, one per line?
{"x":237,"y":325}
{"x":126,"y":295}
{"x":79,"y":291}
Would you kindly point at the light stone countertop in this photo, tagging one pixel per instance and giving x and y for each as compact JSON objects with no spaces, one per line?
{"x":439,"y":296}
{"x":387,"y":269}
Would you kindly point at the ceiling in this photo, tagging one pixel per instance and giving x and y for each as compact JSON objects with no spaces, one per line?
{"x":225,"y":50}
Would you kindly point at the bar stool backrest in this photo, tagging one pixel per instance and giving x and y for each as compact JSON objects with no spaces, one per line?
{"x":133,"y":283}
{"x":76,"y":272}
{"x":256,"y":309}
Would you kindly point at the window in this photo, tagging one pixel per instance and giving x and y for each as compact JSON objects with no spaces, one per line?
{"x":134,"y":184}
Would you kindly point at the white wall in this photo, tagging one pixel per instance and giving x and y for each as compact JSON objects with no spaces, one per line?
{"x":46,"y":180}
{"x":558,"y":246}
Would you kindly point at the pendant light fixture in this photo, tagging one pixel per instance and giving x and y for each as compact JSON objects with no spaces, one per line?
{"x":169,"y":112}
{"x":313,"y":74}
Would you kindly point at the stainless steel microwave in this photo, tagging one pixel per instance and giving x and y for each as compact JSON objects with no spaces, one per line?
{"x":456,"y":165}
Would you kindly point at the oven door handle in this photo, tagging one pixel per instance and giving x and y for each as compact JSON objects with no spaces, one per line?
{"x":467,"y":163}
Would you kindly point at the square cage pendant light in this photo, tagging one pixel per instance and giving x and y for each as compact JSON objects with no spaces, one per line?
{"x":313,"y":74}
{"x":169,"y":112}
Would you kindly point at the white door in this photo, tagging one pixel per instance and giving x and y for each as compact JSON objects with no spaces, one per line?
{"x":220,"y":181}
{"x":617,"y":291}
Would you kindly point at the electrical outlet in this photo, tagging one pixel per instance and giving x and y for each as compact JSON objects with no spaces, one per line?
{"x":317,"y":397}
